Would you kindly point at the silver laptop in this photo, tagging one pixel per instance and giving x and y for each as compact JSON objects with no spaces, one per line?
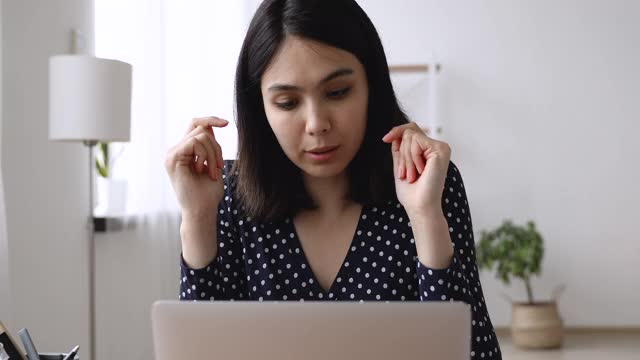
{"x":311,"y":330}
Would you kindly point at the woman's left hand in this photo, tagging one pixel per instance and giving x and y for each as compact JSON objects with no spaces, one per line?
{"x":420,"y":167}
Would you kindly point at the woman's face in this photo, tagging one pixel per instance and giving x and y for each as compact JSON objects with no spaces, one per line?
{"x":315,"y":98}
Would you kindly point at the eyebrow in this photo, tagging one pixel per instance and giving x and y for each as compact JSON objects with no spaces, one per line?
{"x":333,"y":75}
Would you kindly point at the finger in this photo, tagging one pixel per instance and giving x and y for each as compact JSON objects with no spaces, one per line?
{"x":416,"y":155}
{"x":180,"y":155}
{"x":398,"y":131}
{"x":207,"y":140}
{"x":208,"y":170}
{"x":171,"y":158}
{"x":406,"y":155}
{"x":194,"y":151}
{"x":208,"y":122}
{"x":200,"y":159}
{"x":209,"y":131}
{"x":395,"y":133}
{"x":395,"y":154}
{"x":200,"y":131}
{"x":402,"y":168}
{"x":219,"y":149}
{"x":426,"y":142}
{"x":219,"y":153}
{"x":212,"y":154}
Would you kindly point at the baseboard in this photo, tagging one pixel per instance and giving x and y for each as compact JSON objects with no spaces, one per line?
{"x":506,"y":330}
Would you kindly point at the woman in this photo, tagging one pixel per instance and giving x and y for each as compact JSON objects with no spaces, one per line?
{"x":335,"y":195}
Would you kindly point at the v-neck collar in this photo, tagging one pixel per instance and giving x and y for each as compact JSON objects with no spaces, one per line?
{"x":302,"y":257}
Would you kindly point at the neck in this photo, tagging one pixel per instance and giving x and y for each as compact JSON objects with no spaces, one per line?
{"x":330,"y":194}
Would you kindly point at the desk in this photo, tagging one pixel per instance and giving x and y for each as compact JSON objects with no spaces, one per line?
{"x":580,"y":345}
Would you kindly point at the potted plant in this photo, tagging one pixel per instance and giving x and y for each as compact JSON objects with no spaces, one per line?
{"x":102,"y":160}
{"x":111,"y":192}
{"x":518,"y":251}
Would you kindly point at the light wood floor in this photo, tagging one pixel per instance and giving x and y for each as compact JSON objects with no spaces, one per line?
{"x":579,"y":345}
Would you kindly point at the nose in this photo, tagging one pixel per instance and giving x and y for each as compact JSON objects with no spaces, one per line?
{"x":318,"y":121}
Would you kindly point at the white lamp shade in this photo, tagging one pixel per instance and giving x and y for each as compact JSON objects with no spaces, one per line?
{"x":89,"y":99}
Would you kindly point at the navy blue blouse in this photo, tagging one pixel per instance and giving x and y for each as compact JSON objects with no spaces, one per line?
{"x":265,"y":261}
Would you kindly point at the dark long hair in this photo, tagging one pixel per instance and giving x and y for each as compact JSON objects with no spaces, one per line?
{"x":268,"y":185}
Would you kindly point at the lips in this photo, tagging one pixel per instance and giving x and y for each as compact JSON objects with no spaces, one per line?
{"x":322,"y":150}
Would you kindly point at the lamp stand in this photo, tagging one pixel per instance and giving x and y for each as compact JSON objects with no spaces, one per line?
{"x":92,"y":257}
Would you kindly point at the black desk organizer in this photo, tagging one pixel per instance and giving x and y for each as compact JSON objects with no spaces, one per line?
{"x":52,"y":356}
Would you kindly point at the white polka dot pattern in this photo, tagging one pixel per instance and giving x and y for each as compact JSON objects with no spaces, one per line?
{"x":265,"y":261}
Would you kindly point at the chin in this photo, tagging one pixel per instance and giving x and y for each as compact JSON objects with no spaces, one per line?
{"x":323,"y":170}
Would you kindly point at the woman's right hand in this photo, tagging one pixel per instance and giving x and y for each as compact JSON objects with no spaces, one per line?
{"x":194,"y":168}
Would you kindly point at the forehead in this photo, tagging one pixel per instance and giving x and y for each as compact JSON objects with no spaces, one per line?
{"x":300,"y":61}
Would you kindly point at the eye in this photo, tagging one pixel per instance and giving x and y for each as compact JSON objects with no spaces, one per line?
{"x":337,"y":94}
{"x":287,"y":105}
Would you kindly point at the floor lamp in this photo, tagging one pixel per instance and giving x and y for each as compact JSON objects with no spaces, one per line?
{"x":89,"y":102}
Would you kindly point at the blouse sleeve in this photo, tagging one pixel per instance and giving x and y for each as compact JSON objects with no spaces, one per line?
{"x":460,"y":281}
{"x":225,"y":277}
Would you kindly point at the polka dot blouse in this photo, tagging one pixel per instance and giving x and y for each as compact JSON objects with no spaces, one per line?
{"x":265,"y":261}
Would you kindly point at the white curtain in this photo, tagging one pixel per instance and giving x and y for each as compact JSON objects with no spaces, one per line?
{"x":183,"y":56}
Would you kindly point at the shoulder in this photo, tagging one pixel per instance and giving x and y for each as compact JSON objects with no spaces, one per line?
{"x":228,"y":168}
{"x":453,"y":170}
{"x":229,"y":176}
{"x":393,"y":210}
{"x":453,"y":182}
{"x":236,"y":211}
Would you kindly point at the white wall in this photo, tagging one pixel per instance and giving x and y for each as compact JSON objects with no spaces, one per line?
{"x":5,"y":306}
{"x":46,"y":185}
{"x":539,"y":101}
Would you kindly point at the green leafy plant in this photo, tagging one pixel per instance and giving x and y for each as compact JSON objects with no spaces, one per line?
{"x":102,"y":160}
{"x":517,"y":251}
